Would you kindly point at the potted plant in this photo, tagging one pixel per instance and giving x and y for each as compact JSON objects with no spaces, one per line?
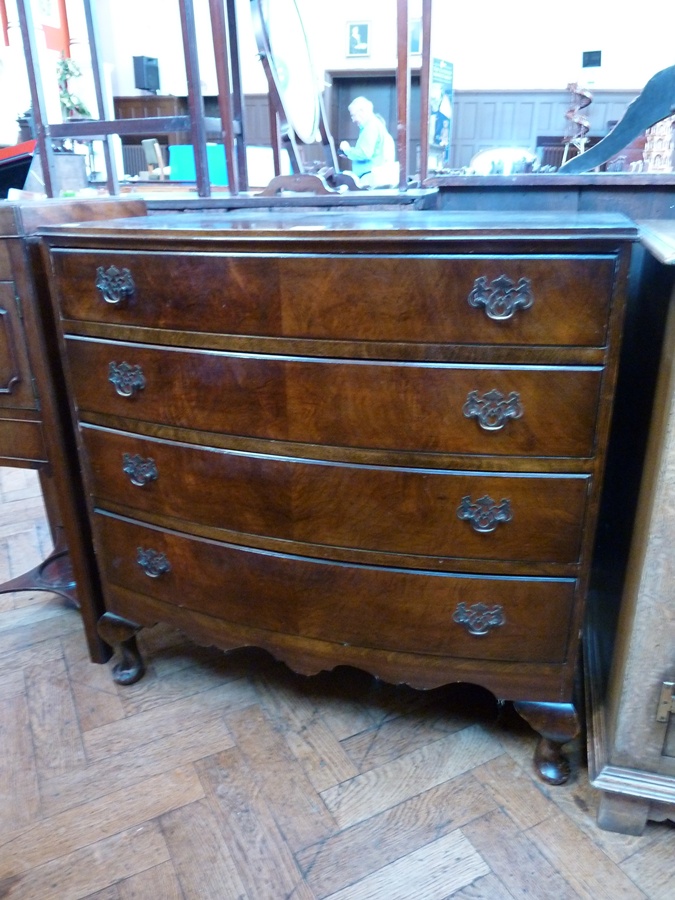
{"x":72,"y":105}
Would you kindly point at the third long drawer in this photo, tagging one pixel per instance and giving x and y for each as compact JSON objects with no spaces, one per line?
{"x":388,"y":509}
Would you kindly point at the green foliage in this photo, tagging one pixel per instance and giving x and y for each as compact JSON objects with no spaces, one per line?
{"x":71,"y":104}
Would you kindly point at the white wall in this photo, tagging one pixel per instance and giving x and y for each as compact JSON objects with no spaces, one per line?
{"x":491,"y":43}
{"x":131,"y":28}
{"x":495,"y":45}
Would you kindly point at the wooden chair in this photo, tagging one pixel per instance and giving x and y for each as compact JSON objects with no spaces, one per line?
{"x":154,"y":157}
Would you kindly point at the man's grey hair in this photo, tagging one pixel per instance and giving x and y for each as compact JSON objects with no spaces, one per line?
{"x":362,"y":103}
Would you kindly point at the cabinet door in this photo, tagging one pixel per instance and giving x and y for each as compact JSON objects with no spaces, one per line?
{"x":16,"y":383}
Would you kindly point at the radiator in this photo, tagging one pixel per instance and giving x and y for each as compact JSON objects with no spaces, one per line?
{"x":133,"y":157}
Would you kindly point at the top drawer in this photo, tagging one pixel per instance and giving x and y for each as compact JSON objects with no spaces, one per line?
{"x":509,"y":299}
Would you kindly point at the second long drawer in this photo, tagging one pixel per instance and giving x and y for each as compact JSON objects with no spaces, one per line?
{"x":532,"y":518}
{"x":445,"y":408}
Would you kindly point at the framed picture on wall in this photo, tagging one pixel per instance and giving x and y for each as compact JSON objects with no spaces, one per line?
{"x":358,"y":38}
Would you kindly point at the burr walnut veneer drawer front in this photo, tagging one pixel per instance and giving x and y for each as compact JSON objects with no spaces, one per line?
{"x":518,"y":299}
{"x":413,"y":611}
{"x":547,"y":411}
{"x":438,"y":513}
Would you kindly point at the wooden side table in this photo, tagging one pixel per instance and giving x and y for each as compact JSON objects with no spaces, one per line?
{"x":631,"y":720}
{"x":34,"y":430}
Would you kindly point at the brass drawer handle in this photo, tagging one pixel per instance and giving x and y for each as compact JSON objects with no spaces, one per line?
{"x":115,"y":286}
{"x":140,"y":471}
{"x":478,"y":619}
{"x":492,"y":410}
{"x":484,"y":515}
{"x":126,"y":379}
{"x":153,"y":563}
{"x":502,"y":297}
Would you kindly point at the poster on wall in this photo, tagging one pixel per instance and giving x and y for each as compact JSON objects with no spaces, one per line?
{"x":440,"y":114}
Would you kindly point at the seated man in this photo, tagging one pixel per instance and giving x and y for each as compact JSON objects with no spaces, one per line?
{"x":373,"y":154}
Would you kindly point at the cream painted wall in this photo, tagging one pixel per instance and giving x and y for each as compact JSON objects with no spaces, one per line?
{"x":491,"y":44}
{"x":497,"y":46}
{"x":131,"y":28}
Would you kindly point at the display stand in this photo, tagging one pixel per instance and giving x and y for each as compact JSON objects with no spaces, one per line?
{"x":297,"y":111}
{"x":230,"y":124}
{"x":195,"y":123}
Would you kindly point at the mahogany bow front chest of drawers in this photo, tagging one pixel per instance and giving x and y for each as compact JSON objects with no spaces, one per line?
{"x":365,"y":439}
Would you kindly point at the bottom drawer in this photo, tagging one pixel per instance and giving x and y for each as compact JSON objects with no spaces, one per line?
{"x":464,"y":616}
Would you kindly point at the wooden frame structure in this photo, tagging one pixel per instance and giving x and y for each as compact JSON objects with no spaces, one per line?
{"x":230,"y":125}
{"x":195,"y":123}
{"x":282,"y":130}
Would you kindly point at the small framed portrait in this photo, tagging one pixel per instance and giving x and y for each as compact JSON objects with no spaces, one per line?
{"x":415,"y":47}
{"x":358,"y":38}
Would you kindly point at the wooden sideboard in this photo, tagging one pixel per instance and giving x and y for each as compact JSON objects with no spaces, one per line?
{"x":631,"y":688}
{"x":34,"y":416}
{"x":371,"y":438}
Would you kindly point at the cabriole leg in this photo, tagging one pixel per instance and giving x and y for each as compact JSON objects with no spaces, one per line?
{"x":121,"y":635}
{"x":557,"y":723}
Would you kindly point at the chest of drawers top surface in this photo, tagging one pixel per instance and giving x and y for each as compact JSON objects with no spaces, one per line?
{"x":362,"y":225}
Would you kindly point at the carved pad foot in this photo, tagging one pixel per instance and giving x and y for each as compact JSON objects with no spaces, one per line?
{"x":121,"y":635}
{"x":556,"y":723}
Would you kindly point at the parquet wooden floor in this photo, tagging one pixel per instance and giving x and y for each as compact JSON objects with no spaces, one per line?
{"x":219,"y":777}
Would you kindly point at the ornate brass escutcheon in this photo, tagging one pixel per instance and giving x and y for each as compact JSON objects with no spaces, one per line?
{"x":114,"y":285}
{"x":153,"y":563}
{"x":126,"y":379}
{"x":478,"y":619}
{"x":139,"y":470}
{"x":492,"y":410}
{"x":502,"y":297}
{"x":484,"y":515}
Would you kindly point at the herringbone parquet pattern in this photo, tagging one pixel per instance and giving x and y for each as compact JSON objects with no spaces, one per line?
{"x":221,"y":777}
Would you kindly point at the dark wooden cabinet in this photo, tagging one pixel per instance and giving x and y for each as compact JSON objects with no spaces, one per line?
{"x":630,"y":668}
{"x":370,"y":439}
{"x":149,"y":106}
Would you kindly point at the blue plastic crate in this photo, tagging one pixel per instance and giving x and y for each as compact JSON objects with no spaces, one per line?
{"x":182,"y":163}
